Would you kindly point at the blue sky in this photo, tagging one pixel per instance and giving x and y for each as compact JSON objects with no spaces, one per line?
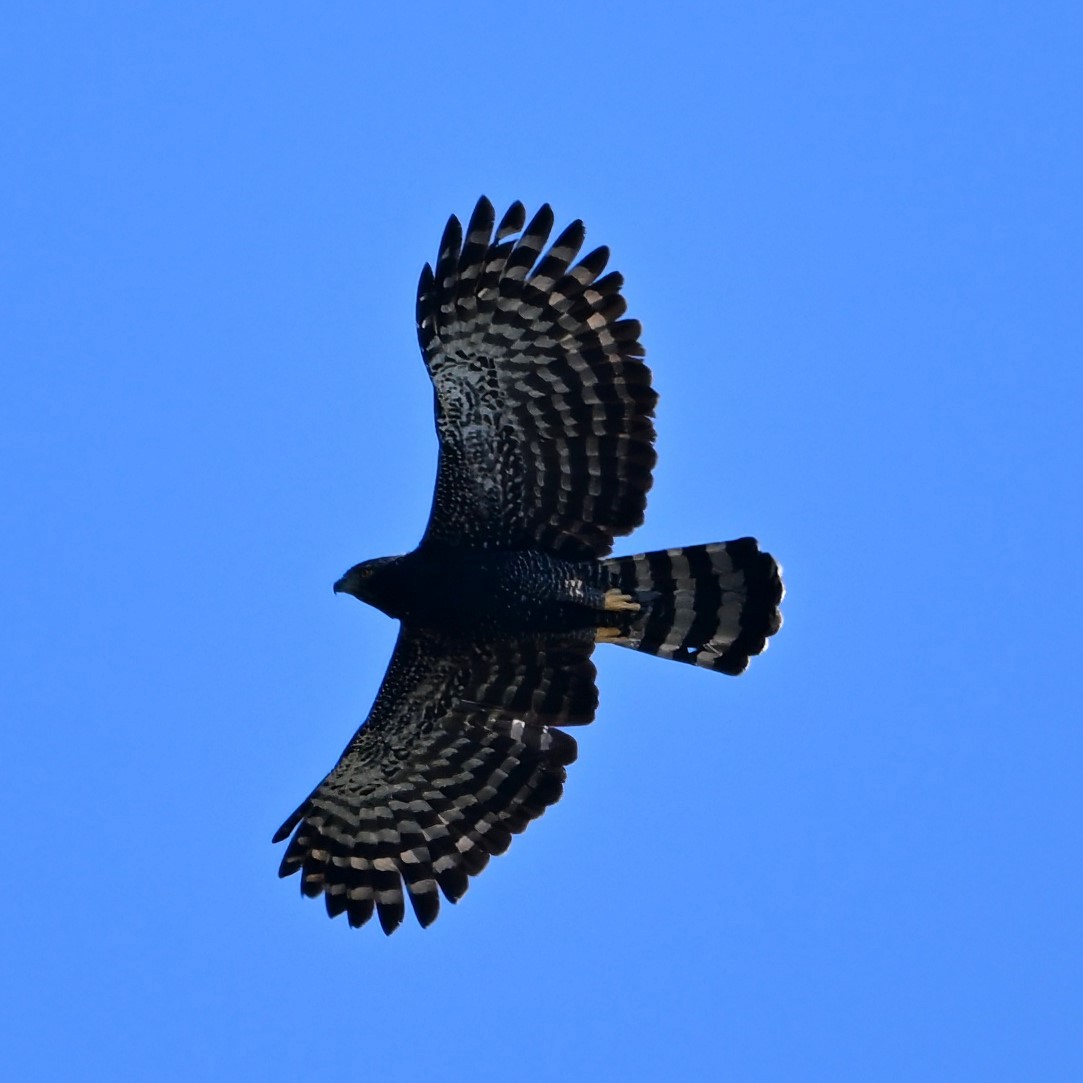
{"x":852,"y":233}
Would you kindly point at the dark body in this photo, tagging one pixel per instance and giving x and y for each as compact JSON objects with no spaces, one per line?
{"x":544,"y":414}
{"x":484,"y":594}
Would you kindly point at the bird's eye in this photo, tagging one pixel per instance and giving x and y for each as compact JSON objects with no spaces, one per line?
{"x":365,"y":573}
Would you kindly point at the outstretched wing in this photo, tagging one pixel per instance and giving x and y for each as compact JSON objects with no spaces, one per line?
{"x":543,"y":402}
{"x":458,"y":754}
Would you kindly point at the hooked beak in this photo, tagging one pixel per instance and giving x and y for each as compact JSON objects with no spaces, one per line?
{"x":340,"y":586}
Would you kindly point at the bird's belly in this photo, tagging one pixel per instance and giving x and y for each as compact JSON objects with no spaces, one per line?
{"x":507,"y":595}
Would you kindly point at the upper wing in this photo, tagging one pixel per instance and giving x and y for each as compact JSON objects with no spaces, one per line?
{"x":458,"y":754}
{"x":543,"y":402}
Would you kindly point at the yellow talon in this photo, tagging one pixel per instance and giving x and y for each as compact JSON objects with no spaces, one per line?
{"x":615,"y":602}
{"x":610,"y":635}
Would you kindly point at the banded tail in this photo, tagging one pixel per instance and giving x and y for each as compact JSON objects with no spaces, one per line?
{"x":709,"y":605}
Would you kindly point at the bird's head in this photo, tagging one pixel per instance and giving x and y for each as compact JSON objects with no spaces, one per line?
{"x":374,"y":582}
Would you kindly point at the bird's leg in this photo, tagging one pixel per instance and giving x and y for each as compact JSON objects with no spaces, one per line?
{"x":611,"y":635}
{"x":616,"y":602}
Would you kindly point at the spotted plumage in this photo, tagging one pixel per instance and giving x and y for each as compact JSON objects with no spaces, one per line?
{"x":544,"y":412}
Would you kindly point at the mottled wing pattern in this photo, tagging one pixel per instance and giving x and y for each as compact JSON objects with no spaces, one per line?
{"x":711,"y":605}
{"x":458,"y":754}
{"x":543,"y":402}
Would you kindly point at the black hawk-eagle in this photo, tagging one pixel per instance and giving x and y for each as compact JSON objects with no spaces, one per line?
{"x":543,"y":413}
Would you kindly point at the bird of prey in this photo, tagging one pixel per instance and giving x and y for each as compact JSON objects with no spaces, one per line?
{"x":544,"y":412}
